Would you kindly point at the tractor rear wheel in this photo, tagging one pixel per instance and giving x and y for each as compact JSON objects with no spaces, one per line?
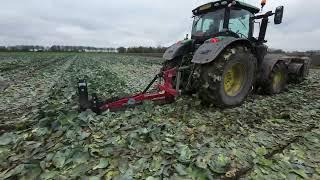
{"x":277,"y":80}
{"x":229,"y":79}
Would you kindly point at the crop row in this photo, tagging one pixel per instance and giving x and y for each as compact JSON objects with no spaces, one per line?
{"x":133,"y":74}
{"x":21,"y":61}
{"x":55,"y":112}
{"x":33,"y":86}
{"x":183,"y":140}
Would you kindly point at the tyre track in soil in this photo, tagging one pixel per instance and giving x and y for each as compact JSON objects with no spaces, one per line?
{"x":16,"y":113}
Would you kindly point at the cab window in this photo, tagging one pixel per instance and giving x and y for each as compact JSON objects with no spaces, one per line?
{"x":240,"y":22}
{"x":208,"y":24}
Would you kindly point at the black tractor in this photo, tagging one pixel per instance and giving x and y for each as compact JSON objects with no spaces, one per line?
{"x":227,"y":61}
{"x":222,"y":62}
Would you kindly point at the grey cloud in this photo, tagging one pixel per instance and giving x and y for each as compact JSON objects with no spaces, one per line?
{"x":138,"y":22}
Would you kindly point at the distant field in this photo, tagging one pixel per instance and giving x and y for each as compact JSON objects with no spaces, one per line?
{"x":43,"y":136}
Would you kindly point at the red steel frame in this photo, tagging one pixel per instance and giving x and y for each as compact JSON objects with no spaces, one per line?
{"x":166,"y":91}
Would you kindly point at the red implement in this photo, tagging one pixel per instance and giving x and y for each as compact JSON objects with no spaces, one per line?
{"x":165,"y":92}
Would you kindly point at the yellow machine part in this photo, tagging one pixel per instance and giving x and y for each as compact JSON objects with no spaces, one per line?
{"x":277,"y":79}
{"x":234,"y":79}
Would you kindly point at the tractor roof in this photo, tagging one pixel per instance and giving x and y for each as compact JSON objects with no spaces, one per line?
{"x":223,"y":3}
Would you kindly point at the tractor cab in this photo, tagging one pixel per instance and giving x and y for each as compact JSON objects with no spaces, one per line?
{"x":223,"y":18}
{"x":227,"y":18}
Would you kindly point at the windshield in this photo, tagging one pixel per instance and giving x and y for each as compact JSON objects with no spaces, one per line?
{"x":208,"y":24}
{"x":240,"y":22}
{"x":211,"y":23}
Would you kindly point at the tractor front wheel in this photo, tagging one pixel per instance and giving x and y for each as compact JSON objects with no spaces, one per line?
{"x":229,"y":79}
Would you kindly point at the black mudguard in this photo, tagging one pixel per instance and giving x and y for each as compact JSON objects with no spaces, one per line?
{"x":178,"y":49}
{"x":209,"y":51}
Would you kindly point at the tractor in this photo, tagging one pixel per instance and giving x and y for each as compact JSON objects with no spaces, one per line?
{"x":222,"y":62}
{"x":228,"y":61}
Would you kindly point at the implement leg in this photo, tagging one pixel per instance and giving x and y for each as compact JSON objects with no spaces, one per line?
{"x":83,"y":95}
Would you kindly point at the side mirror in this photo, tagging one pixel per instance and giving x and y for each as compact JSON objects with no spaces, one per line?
{"x":278,"y":15}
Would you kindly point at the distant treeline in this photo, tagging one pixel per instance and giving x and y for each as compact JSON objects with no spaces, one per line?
{"x":141,"y":49}
{"x":59,"y":48}
{"x":314,"y":55}
{"x":55,"y":48}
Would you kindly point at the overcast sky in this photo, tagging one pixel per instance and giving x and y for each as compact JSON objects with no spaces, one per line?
{"x":112,"y":23}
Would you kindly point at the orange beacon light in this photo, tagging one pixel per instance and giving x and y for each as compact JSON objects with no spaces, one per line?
{"x":263,"y":3}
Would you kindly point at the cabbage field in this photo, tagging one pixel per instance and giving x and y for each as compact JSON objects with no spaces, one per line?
{"x":43,"y":136}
